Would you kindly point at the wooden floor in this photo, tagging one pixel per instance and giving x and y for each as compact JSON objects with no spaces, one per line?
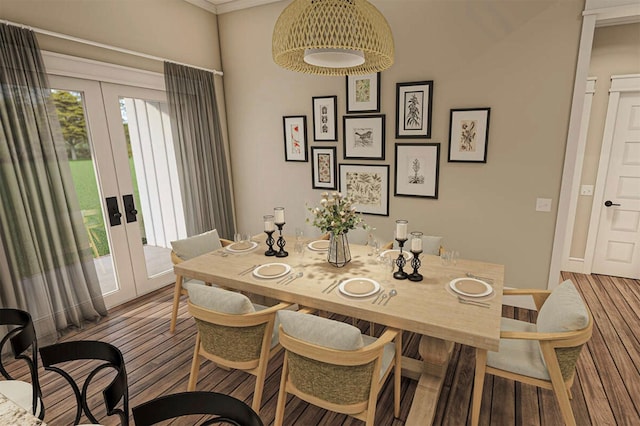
{"x":606,"y":391}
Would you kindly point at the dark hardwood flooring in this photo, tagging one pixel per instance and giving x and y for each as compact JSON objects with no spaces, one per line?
{"x":606,"y":390}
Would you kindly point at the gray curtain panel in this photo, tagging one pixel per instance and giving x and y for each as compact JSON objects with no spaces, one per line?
{"x":200,"y":150}
{"x":46,"y":265}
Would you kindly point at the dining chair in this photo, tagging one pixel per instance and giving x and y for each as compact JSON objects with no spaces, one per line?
{"x":233,"y":333}
{"x":83,"y":350}
{"x":334,"y":366}
{"x":543,"y":354}
{"x":186,"y":249}
{"x":225,"y":408}
{"x":430,"y":245}
{"x":22,"y":336}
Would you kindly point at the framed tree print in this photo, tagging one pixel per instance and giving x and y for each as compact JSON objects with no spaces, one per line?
{"x":364,"y":137}
{"x":323,"y":168}
{"x":295,"y":138}
{"x":469,"y":135}
{"x":325,"y":118}
{"x":368,"y":186}
{"x":363,"y":93}
{"x":413,"y":109}
{"x":417,"y":169}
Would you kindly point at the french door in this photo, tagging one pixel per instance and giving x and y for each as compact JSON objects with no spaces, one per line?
{"x":121,"y":154}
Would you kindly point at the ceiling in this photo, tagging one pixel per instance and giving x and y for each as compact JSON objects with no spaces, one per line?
{"x":223,"y":6}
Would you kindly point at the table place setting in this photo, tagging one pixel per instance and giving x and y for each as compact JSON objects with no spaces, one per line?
{"x":241,"y":246}
{"x":318,"y":245}
{"x":271,"y":270}
{"x":471,"y":291}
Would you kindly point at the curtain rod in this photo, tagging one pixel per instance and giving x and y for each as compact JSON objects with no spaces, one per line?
{"x":105,"y":46}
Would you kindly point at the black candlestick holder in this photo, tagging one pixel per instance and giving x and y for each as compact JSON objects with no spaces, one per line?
{"x":415,"y":264}
{"x":281,"y":242}
{"x":270,"y":242}
{"x":400,"y":262}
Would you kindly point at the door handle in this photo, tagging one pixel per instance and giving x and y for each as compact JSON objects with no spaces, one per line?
{"x":610,"y":203}
{"x":130,"y":208}
{"x":113,"y":211}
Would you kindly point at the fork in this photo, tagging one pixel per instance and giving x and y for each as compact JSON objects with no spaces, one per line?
{"x":246,"y":271}
{"x":473,"y":302}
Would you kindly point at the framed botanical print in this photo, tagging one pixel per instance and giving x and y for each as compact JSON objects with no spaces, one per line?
{"x":417,"y":167}
{"x":295,"y":138}
{"x":368,"y":186}
{"x":469,"y":135}
{"x":364,"y":137}
{"x":325,"y":118}
{"x":323,"y":168}
{"x":363,"y":93}
{"x":413,"y":109}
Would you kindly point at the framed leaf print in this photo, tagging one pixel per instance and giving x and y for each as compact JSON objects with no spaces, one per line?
{"x":323,"y":168}
{"x":417,"y":167}
{"x":363,"y":93}
{"x":368,"y":186}
{"x":325,"y":118}
{"x":413,"y":109}
{"x":295,"y":138}
{"x":469,"y":135}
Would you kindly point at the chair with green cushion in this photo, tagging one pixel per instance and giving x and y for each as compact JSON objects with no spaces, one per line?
{"x":332,"y":365}
{"x":186,"y":249}
{"x":542,"y":354}
{"x":233,"y":333}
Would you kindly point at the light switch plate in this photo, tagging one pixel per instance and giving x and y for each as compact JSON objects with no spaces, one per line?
{"x":543,"y":204}
{"x":586,"y":190}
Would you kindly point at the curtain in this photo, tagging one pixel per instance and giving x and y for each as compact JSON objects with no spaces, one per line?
{"x":46,"y":265}
{"x":200,"y":150}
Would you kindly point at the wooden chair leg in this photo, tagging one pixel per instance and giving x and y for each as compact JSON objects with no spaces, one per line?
{"x":176,"y":301}
{"x":195,"y":366}
{"x":282,"y":394}
{"x":397,"y":375}
{"x":478,"y":385}
{"x":260,"y":378}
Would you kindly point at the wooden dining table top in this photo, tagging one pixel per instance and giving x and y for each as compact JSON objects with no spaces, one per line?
{"x":428,"y":307}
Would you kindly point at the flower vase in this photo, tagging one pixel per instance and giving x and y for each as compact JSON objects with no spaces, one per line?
{"x":339,"y":254}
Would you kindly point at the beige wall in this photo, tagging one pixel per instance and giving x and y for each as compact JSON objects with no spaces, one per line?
{"x":516,"y":57}
{"x":171,"y":29}
{"x":616,"y":51}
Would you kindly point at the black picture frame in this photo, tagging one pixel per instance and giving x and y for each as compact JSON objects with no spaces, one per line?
{"x":417,"y":170}
{"x":469,"y":135}
{"x":325,"y":118}
{"x":371,"y":193}
{"x":295,"y":141}
{"x":413,"y":109}
{"x":364,"y":137}
{"x":323,"y":168}
{"x":363,"y":93}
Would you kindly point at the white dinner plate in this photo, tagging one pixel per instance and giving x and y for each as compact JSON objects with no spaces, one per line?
{"x":241,"y":246}
{"x":359,"y":287}
{"x":393,"y":254}
{"x":470,"y":287}
{"x":272,"y":270}
{"x":319,"y":245}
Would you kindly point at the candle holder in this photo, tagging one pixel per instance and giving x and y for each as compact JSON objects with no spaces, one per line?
{"x":415,"y":264}
{"x":281,"y":242}
{"x":270,"y":242}
{"x":400,"y":262}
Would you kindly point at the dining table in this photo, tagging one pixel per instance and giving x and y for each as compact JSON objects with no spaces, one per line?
{"x":13,"y":414}
{"x":430,"y":307}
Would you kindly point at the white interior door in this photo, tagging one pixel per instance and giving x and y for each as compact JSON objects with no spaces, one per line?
{"x":617,"y":249}
{"x":128,"y":158}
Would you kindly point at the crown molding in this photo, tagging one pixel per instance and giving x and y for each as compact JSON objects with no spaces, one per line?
{"x":219,"y":7}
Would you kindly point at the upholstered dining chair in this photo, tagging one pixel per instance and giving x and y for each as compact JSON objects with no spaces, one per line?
{"x":233,"y":333}
{"x":542,"y":354}
{"x":114,"y":393}
{"x":332,"y":365}
{"x":225,"y":408}
{"x":186,"y":249}
{"x":22,"y":336}
{"x":430,"y":245}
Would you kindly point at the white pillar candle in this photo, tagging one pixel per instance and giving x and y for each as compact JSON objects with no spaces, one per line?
{"x":416,"y":244}
{"x":278,"y":212}
{"x":268,"y":223}
{"x":401,"y":229}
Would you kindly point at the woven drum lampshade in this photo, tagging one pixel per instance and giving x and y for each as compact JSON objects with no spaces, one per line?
{"x":332,"y":37}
